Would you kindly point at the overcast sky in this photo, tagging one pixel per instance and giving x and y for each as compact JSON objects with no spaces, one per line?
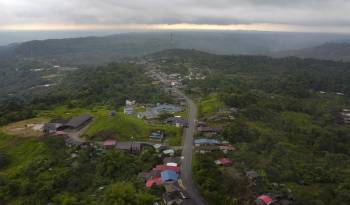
{"x":318,"y":15}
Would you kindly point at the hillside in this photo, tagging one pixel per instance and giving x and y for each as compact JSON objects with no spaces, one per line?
{"x":328,"y":51}
{"x":97,"y":50}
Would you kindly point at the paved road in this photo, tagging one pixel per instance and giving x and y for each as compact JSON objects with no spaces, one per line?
{"x":186,"y":165}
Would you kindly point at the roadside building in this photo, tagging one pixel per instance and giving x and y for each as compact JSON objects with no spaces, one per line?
{"x":76,"y":123}
{"x":108,"y":144}
{"x":207,"y":149}
{"x":169,"y":176}
{"x":205,"y":142}
{"x":166,"y":168}
{"x":209,"y":131}
{"x":176,"y":121}
{"x":176,"y":160}
{"x":129,"y":147}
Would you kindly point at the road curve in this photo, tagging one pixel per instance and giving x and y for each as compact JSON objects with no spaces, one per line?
{"x":186,"y":166}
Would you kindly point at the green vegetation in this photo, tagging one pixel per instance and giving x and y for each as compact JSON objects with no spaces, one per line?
{"x":43,"y":171}
{"x":210,"y":104}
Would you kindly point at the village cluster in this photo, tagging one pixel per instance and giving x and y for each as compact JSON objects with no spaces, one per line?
{"x":168,"y":174}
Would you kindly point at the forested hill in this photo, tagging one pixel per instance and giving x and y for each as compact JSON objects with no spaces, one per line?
{"x":267,"y":72}
{"x":328,"y":51}
{"x":97,"y":50}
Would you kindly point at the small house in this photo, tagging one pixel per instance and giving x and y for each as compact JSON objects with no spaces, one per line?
{"x":154,"y":181}
{"x":50,"y":128}
{"x":176,"y":121}
{"x":128,"y":110}
{"x":169,"y":175}
{"x":109,"y":143}
{"x":165,"y":168}
{"x":264,"y":200}
{"x":76,"y":123}
{"x":129,"y":147}
{"x":204,"y":142}
{"x":223,"y":162}
{"x":169,"y":152}
{"x":157,"y":136}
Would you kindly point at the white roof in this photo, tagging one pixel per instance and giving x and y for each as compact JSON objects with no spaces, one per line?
{"x":171,"y":164}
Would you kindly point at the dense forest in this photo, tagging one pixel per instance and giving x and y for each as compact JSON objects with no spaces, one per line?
{"x":286,"y":128}
{"x":50,"y":173}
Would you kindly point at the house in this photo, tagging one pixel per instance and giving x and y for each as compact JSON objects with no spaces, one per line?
{"x":149,"y":175}
{"x":172,"y":164}
{"x":76,"y":122}
{"x":169,"y":175}
{"x":176,"y":160}
{"x":176,"y":121}
{"x":223,"y":162}
{"x":201,"y":142}
{"x":109,"y":143}
{"x":128,"y":110}
{"x":129,"y":147}
{"x":154,"y":181}
{"x":165,"y":168}
{"x":344,"y":116}
{"x":264,"y":200}
{"x":157,"y":136}
{"x":130,"y":102}
{"x":50,"y":128}
{"x":169,"y":152}
{"x":206,"y":149}
{"x":227,"y":148}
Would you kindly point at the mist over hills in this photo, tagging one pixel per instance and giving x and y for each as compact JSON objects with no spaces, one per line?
{"x":97,"y":50}
{"x":327,"y":51}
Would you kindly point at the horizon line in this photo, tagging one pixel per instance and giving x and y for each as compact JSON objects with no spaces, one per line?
{"x":180,"y":26}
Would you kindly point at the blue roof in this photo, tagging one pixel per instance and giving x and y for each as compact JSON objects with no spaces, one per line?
{"x":169,"y":175}
{"x":206,"y":141}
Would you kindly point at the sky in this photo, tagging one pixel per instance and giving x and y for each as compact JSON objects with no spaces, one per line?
{"x":266,"y":15}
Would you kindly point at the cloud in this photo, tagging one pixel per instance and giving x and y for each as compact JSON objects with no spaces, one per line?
{"x":327,"y":13}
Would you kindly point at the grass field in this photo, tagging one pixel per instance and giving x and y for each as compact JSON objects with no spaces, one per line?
{"x":124,"y":126}
{"x":21,"y":151}
{"x":25,"y":128}
{"x":210,"y":104}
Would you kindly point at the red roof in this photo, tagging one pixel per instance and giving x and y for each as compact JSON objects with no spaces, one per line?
{"x":60,"y":133}
{"x":109,"y":143}
{"x":156,"y":180}
{"x":167,"y":168}
{"x":225,"y":161}
{"x":266,"y":199}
